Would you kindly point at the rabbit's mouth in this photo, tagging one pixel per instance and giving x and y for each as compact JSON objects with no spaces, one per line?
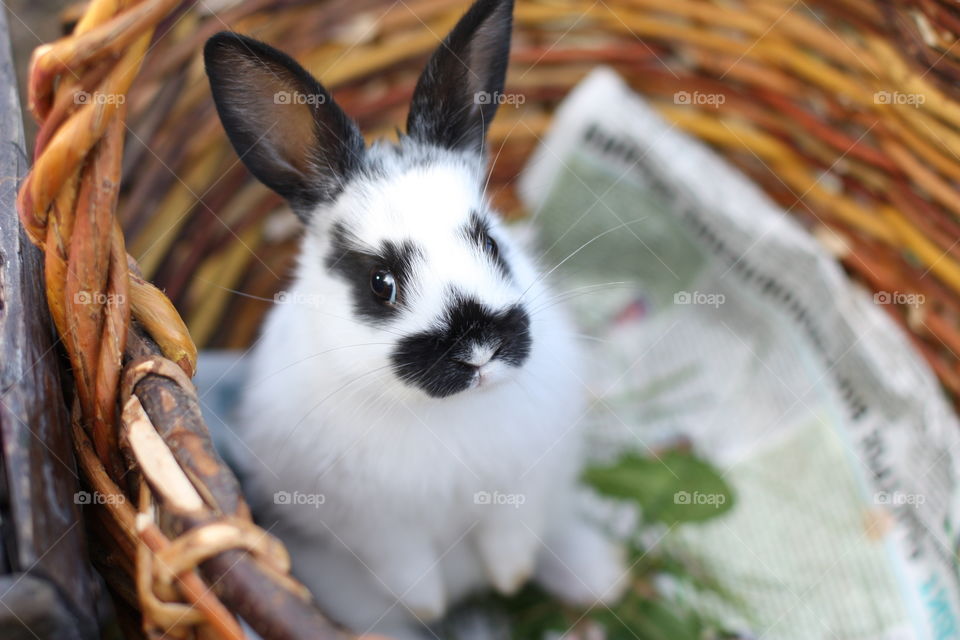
{"x":490,"y":374}
{"x":473,"y":347}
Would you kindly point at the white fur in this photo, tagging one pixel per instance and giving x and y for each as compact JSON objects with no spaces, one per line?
{"x":402,"y":531}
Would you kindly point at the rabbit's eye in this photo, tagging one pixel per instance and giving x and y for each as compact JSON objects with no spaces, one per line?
{"x":383,"y":285}
{"x":489,"y":244}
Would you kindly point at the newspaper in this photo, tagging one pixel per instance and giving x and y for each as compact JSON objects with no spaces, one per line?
{"x":709,"y":313}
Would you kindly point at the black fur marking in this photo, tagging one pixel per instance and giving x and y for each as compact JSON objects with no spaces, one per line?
{"x":431,"y":360}
{"x":284,"y":125}
{"x":472,"y":60}
{"x":476,"y":231}
{"x":355,"y":266}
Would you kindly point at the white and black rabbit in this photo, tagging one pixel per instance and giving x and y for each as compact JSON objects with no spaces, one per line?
{"x":412,"y":426}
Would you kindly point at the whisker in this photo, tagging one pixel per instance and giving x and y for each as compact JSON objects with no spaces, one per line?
{"x":573,"y":293}
{"x":580,"y":336}
{"x":274,"y":301}
{"x":544,"y":307}
{"x":330,"y":395}
{"x":578,"y":250}
{"x":366,"y":402}
{"x":516,"y":380}
{"x":490,"y":166}
{"x":315,"y":355}
{"x":350,"y":448}
{"x":589,"y":286}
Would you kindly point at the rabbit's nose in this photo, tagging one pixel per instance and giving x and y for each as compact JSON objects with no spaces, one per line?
{"x":478,"y":355}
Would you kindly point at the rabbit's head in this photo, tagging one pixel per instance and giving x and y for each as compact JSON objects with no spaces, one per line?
{"x":400,"y":237}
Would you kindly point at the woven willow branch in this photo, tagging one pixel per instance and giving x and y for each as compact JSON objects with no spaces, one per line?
{"x":113,"y":323}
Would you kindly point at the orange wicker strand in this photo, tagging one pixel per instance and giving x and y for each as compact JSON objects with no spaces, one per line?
{"x":86,"y":263}
{"x":67,"y":206}
{"x":190,"y":584}
{"x":107,"y":38}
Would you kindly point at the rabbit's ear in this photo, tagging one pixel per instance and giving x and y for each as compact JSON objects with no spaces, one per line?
{"x":458,"y":93}
{"x":283,"y":124}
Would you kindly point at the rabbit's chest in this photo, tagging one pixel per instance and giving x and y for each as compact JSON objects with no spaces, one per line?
{"x":448,"y":460}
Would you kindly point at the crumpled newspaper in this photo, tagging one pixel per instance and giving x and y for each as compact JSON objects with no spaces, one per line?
{"x":709,"y":313}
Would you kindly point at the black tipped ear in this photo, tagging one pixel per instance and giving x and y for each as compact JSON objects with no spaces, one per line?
{"x":459,"y":91}
{"x":283,"y":124}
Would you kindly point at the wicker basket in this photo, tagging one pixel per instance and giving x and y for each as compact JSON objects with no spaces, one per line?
{"x":845,"y":111}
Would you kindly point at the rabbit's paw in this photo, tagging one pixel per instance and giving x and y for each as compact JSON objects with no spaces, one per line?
{"x":411,"y":576}
{"x":582,"y":566}
{"x":425,"y":601}
{"x":509,"y":552}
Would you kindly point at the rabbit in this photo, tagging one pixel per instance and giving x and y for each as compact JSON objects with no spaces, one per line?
{"x":411,"y":430}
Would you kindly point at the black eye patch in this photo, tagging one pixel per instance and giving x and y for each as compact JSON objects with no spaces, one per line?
{"x":355,"y":267}
{"x":477,"y":233}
